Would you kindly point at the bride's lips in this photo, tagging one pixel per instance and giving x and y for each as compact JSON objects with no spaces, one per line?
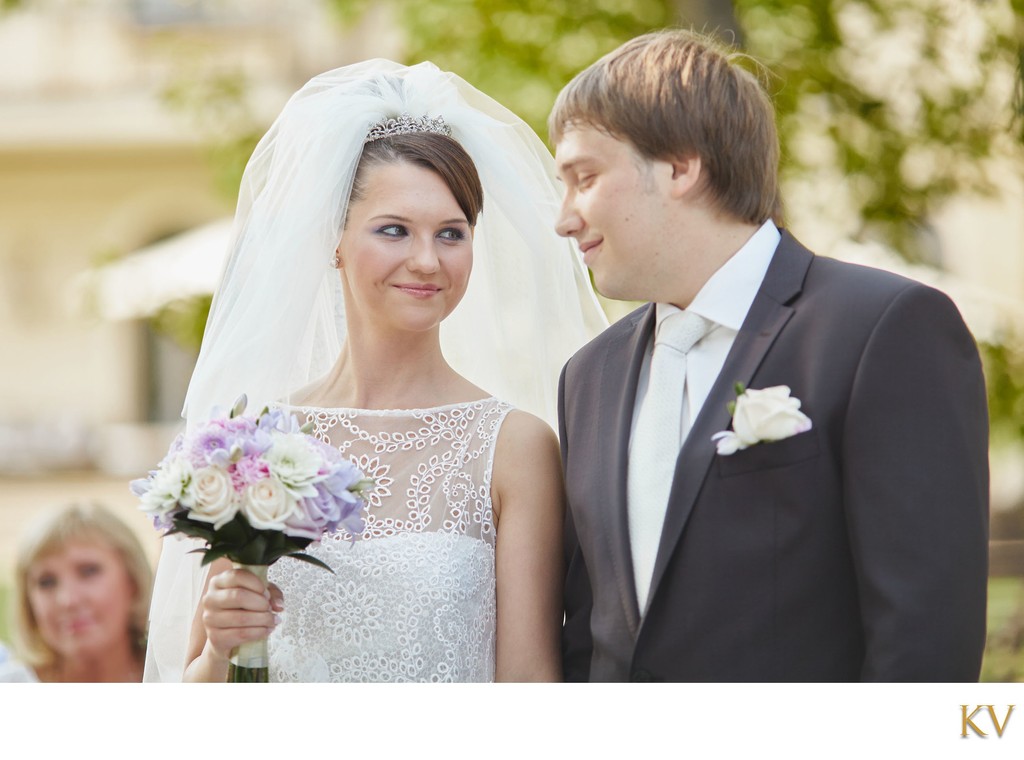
{"x":418,"y":289}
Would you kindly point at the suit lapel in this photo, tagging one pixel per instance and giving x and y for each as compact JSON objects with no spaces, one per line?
{"x":618,"y":393}
{"x":767,"y":316}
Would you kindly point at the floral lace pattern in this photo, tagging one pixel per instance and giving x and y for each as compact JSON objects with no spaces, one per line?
{"x":412,"y":597}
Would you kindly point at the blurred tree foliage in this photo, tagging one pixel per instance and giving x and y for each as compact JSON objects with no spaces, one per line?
{"x":184,"y":321}
{"x":1004,"y":378}
{"x":521,"y":52}
{"x":903,"y":103}
{"x":909,"y":100}
{"x":218,"y":103}
{"x":912,"y":101}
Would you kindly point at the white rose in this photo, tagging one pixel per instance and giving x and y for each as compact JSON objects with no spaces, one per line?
{"x":295,"y":464}
{"x":268,"y":505}
{"x":769,"y":414}
{"x":215,"y":500}
{"x":169,"y":488}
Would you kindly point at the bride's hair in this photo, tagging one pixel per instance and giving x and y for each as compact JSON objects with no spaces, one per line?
{"x":437,"y":153}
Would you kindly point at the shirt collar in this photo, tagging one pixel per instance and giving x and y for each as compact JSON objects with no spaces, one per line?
{"x":726,"y":297}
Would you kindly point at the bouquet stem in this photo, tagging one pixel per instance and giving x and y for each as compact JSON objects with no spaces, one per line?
{"x":250,"y":661}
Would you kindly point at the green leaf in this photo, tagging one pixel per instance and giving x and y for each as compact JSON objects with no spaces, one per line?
{"x":312,"y":561}
{"x":238,"y":531}
{"x":214,"y":554}
{"x":739,"y":389}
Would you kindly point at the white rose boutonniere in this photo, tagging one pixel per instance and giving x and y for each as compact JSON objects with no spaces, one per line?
{"x":758,"y":416}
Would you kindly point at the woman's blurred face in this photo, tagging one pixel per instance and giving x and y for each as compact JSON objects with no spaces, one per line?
{"x":81,"y":596}
{"x":407,"y":250}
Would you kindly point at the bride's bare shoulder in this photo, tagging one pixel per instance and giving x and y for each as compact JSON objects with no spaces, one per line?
{"x":527,"y":475}
{"x":525,"y":439}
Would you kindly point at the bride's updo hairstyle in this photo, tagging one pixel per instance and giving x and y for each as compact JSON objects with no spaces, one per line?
{"x":437,"y":153}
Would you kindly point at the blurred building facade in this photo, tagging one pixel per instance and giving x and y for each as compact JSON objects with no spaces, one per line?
{"x":94,"y":164}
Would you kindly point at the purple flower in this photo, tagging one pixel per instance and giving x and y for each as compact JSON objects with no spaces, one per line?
{"x":339,"y":482}
{"x":211,"y":445}
{"x":257,"y":443}
{"x":324,"y":512}
{"x":141,"y":486}
{"x":278,"y":476}
{"x":300,"y":523}
{"x":163,"y":523}
{"x":217,"y":442}
{"x":352,"y":518}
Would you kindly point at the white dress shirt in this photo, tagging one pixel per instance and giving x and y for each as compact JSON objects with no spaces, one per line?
{"x":725,"y":300}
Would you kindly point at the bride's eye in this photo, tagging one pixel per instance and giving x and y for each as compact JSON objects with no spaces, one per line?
{"x":453,"y":234}
{"x":393,"y":231}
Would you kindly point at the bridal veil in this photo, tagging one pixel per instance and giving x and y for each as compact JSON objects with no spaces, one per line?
{"x":277,"y":320}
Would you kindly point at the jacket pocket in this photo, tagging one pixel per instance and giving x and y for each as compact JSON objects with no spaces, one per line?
{"x":770,"y":455}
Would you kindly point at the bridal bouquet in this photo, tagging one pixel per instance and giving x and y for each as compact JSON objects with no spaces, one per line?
{"x":255,"y":489}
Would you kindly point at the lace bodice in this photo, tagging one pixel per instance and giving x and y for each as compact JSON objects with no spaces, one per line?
{"x":412,"y":597}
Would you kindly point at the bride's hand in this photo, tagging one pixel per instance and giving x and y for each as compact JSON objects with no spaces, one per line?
{"x":237,"y":608}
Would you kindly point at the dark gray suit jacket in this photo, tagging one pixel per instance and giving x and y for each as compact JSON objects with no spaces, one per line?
{"x":855,"y":551}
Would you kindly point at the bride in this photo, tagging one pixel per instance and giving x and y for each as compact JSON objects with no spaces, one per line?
{"x":348,"y":300}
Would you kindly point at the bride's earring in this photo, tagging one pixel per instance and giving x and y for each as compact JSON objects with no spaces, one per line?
{"x":336,"y":261}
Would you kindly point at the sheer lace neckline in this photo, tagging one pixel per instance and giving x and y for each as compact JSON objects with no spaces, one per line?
{"x":388,"y":412}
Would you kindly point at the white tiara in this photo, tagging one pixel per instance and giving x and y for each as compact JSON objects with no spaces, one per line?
{"x":406,"y":124}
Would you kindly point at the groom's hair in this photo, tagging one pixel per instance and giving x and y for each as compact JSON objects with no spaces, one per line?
{"x":677,"y":93}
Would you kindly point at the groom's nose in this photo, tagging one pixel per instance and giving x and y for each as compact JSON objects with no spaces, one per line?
{"x":569,"y":222}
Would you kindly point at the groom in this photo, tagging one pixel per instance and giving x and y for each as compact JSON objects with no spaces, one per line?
{"x":842,"y":540}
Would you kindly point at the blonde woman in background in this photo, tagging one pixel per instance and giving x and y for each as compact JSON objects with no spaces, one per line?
{"x":81,"y":599}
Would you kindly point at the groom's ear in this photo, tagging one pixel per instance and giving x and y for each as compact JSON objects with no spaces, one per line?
{"x":686,"y":174}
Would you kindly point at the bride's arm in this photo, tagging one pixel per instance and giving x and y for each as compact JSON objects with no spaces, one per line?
{"x":529,"y":503}
{"x":235,"y":608}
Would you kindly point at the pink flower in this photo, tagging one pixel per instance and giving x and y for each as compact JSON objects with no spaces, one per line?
{"x":248,"y":470}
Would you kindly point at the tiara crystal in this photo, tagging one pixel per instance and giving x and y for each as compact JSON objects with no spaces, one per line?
{"x":405,"y":125}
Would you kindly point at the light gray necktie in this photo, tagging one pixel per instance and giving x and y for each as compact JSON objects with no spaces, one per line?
{"x":656,"y":441}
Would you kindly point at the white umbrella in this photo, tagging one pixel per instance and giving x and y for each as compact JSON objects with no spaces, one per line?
{"x":138,"y":285}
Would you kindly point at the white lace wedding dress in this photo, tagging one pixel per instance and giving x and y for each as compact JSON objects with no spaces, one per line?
{"x":412,"y":597}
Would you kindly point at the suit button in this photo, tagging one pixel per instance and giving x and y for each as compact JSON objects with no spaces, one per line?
{"x":641,"y":676}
